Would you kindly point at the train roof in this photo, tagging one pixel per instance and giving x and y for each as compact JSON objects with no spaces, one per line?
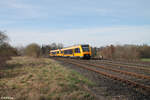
{"x":54,"y":50}
{"x":70,"y":47}
{"x":75,"y":46}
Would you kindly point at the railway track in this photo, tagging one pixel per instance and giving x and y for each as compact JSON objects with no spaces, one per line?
{"x":134,"y":69}
{"x":119,"y":71}
{"x":137,"y":63}
{"x":140,"y":86}
{"x":140,"y":67}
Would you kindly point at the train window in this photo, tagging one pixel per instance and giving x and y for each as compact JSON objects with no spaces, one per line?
{"x":85,"y":48}
{"x":65,"y":51}
{"x":53,"y":52}
{"x":57,"y":52}
{"x":77,"y":50}
{"x":68,"y":51}
{"x":61,"y":51}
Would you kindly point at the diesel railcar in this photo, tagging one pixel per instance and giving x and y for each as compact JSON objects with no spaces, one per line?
{"x":78,"y":51}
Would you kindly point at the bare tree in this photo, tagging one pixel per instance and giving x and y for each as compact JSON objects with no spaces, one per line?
{"x":3,"y":38}
{"x":4,"y":51}
{"x":59,"y":46}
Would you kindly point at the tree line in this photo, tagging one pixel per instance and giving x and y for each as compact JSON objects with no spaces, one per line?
{"x":33,"y":49}
{"x":124,"y":52}
{"x":113,"y":52}
{"x":36,"y":50}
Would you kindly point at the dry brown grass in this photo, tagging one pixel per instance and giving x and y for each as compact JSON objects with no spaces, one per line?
{"x":27,"y":78}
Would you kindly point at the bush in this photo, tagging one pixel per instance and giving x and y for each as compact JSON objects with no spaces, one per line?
{"x":33,"y":50}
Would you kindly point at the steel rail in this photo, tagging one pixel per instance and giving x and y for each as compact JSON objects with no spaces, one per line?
{"x":119,"y":71}
{"x":129,"y":66}
{"x":129,"y":82}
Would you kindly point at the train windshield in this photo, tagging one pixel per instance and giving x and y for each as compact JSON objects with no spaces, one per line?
{"x":85,"y":48}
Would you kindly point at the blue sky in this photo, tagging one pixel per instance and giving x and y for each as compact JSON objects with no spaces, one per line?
{"x":97,"y":22}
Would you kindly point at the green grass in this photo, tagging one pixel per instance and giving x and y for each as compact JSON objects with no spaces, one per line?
{"x":145,"y":59}
{"x":26,"y":78}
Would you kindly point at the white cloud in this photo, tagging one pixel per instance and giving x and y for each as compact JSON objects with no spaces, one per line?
{"x":94,"y":36}
{"x":76,"y":13}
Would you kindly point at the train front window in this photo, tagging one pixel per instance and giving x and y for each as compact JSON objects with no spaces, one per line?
{"x":77,"y":50}
{"x":85,"y":48}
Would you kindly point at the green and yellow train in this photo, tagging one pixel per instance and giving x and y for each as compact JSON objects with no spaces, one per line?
{"x":78,"y":51}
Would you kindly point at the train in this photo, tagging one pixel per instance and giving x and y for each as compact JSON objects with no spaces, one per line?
{"x":77,"y":51}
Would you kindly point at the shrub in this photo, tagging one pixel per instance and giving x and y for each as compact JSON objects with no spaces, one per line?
{"x":33,"y":50}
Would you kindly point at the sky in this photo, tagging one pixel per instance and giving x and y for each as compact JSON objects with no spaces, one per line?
{"x":94,"y":22}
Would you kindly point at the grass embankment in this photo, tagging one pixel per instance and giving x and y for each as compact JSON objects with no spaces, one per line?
{"x":145,"y":59}
{"x":26,"y":78}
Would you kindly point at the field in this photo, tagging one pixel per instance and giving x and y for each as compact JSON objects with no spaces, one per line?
{"x":26,"y":78}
